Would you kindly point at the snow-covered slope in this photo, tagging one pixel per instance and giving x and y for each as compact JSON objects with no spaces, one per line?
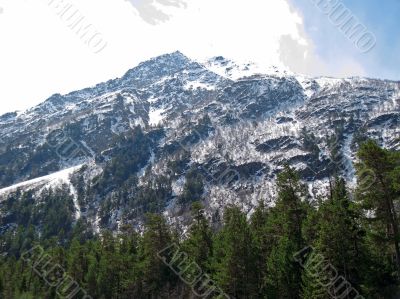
{"x":56,"y":178}
{"x":217,"y":116}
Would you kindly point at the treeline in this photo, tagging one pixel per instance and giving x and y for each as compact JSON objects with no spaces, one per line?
{"x":345,"y":245}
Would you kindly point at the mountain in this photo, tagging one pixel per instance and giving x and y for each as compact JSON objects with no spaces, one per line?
{"x":173,"y":130}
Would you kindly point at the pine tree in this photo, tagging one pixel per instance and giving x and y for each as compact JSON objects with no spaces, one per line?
{"x":381,"y":194}
{"x":311,"y":287}
{"x":234,"y":256}
{"x":284,"y":227}
{"x":193,"y":188}
{"x":155,"y":274}
{"x":337,"y":239}
{"x":109,"y":276}
{"x":339,"y":232}
{"x":262,"y":246}
{"x":199,"y":243}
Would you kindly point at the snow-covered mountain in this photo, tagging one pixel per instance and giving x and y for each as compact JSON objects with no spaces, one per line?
{"x":229,"y":125}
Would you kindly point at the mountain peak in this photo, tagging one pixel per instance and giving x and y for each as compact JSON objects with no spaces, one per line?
{"x":159,"y":66}
{"x":176,"y":57}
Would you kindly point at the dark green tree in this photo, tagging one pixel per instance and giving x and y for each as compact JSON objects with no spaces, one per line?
{"x":381,"y":195}
{"x":234,"y":259}
{"x":284,"y":227}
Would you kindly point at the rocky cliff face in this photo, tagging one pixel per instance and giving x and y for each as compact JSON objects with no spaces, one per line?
{"x":173,"y":130}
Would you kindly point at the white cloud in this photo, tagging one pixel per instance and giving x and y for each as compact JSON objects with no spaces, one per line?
{"x":40,"y":55}
{"x":152,"y":13}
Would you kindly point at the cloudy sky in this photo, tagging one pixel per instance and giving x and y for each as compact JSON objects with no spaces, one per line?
{"x":44,"y":48}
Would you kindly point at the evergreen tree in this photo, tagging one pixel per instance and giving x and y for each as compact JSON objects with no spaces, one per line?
{"x":199,"y":244}
{"x":381,"y":196}
{"x":339,"y":234}
{"x":311,"y":287}
{"x":337,"y":239}
{"x":234,"y":261}
{"x":284,"y":226}
{"x":155,"y":274}
{"x":193,"y":188}
{"x":262,"y":246}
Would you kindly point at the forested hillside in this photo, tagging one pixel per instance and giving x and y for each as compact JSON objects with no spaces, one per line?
{"x":341,"y":245}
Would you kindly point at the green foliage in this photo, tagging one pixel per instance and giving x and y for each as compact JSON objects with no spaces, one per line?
{"x":199,"y":244}
{"x":246,"y":257}
{"x":234,"y":261}
{"x":193,"y":188}
{"x":132,"y":154}
{"x":309,"y":142}
{"x":379,"y":198}
{"x":284,"y":225}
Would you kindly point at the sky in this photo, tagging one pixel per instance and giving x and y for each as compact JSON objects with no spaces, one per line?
{"x":58,"y":46}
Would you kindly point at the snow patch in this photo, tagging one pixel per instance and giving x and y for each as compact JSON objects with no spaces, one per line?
{"x":327,"y":82}
{"x":155,"y":116}
{"x":54,"y":179}
{"x":235,"y":70}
